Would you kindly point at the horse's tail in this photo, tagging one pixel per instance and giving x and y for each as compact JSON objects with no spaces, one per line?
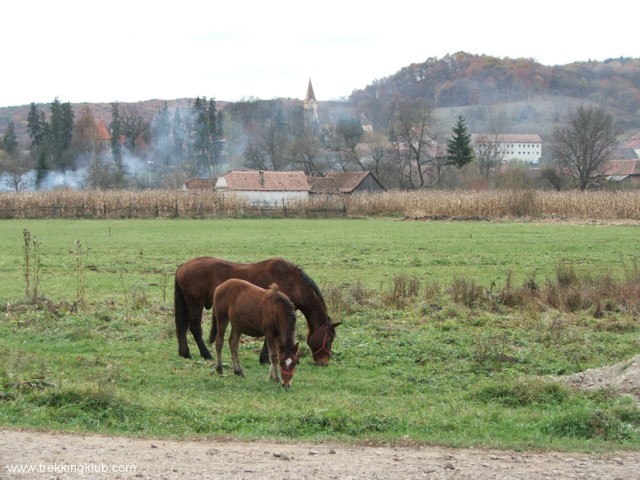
{"x":180,"y":308}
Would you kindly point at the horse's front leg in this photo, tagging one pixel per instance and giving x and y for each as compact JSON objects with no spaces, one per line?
{"x":274,"y":369}
{"x":234,"y":345}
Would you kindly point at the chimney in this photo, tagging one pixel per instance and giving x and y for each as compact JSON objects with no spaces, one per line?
{"x":261,"y":177}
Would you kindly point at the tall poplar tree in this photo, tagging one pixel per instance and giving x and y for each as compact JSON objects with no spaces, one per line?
{"x":459,"y":149}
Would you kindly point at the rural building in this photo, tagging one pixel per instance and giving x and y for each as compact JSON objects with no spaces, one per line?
{"x":265,"y":187}
{"x":622,"y":172}
{"x":345,"y":183}
{"x":199,"y":184}
{"x":103,"y":135}
{"x":634,"y":144}
{"x":514,"y":146}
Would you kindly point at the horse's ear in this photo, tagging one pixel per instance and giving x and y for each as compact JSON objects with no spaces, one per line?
{"x":296,"y":347}
{"x":334,"y":325}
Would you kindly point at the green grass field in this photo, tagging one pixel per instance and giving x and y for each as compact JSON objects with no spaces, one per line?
{"x":97,"y":351}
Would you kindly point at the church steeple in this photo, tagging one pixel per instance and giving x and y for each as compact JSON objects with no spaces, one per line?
{"x":311,"y":97}
{"x":311,"y":105}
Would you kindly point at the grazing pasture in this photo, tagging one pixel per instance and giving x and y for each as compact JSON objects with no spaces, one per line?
{"x":452,"y":332}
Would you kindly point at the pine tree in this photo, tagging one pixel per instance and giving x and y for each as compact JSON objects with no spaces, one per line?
{"x":116,"y":129}
{"x":10,"y":141}
{"x":459,"y":149}
{"x":36,"y":125}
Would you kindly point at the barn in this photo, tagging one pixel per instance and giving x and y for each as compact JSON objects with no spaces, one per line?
{"x":264,"y":187}
{"x":345,"y":183}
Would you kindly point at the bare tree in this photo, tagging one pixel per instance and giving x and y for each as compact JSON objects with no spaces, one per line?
{"x":305,"y":151}
{"x":136,"y":127}
{"x":412,"y":138}
{"x":343,"y":140}
{"x":16,"y":170}
{"x":489,"y":153}
{"x":378,"y":148}
{"x":269,"y":150}
{"x":585,"y":143}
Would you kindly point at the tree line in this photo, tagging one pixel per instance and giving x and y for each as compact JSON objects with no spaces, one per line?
{"x":164,"y":149}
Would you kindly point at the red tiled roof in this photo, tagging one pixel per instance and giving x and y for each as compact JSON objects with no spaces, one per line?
{"x":621,"y":167}
{"x":263,"y":181}
{"x":509,"y":137}
{"x":198,"y":184}
{"x":337,"y":182}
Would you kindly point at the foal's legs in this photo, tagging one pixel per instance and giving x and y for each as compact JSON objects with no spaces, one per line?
{"x":274,"y":369}
{"x":234,"y":345}
{"x":222,"y":320}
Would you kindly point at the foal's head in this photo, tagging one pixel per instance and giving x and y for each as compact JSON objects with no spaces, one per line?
{"x":288,"y":362}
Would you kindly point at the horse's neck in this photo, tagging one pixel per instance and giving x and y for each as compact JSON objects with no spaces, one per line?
{"x":315,"y":313}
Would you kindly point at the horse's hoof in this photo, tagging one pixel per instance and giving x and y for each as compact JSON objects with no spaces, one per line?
{"x":185,"y":355}
{"x":240,"y":374}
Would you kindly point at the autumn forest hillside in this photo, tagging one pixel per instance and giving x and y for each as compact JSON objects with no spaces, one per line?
{"x":530,"y":96}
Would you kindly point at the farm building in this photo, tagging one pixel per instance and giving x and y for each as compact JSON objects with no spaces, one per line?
{"x":265,"y":187}
{"x":624,"y":172}
{"x":199,"y":184}
{"x":345,"y":183}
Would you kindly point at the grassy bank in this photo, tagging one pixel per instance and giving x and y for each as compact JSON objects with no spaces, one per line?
{"x":439,"y":343}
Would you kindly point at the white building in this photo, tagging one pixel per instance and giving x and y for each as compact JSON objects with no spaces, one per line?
{"x":526,"y":147}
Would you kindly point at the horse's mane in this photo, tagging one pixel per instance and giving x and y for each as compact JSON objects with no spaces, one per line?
{"x":308,"y":281}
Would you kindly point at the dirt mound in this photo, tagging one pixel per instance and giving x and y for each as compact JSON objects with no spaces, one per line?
{"x":623,"y":377}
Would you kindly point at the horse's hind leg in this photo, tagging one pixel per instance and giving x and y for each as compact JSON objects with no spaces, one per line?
{"x":234,"y":345}
{"x":195,"y":325}
{"x":183,"y":346}
{"x":220,"y":320}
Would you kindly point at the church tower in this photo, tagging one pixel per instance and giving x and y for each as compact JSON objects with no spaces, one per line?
{"x":310,"y":105}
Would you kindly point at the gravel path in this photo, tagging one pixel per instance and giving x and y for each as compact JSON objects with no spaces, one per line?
{"x":49,"y":455}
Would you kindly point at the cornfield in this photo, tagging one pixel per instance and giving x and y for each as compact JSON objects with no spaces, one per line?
{"x":428,"y":204}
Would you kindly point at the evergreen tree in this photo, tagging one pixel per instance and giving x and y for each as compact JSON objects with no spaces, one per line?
{"x":10,"y":141}
{"x":459,"y":149}
{"x":117,"y":130}
{"x":42,"y":168}
{"x":59,"y":135}
{"x":36,"y":125}
{"x":207,"y":134}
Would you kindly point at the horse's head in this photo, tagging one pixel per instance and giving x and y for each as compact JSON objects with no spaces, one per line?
{"x":288,"y":362}
{"x":320,"y":342}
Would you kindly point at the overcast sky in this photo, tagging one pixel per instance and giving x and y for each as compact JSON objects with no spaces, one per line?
{"x":87,"y":51}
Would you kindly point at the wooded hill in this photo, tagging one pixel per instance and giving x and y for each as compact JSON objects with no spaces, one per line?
{"x":532,"y":96}
{"x":526,"y":96}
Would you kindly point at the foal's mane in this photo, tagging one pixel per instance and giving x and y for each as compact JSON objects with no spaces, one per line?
{"x":282,"y":299}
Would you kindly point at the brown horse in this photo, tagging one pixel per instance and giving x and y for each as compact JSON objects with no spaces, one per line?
{"x":197,"y":279}
{"x":256,"y":312}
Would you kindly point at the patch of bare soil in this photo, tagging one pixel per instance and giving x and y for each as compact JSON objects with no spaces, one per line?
{"x":48,"y":455}
{"x":623,"y":378}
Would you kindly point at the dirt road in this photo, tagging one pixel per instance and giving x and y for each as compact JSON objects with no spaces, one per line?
{"x":46,"y":455}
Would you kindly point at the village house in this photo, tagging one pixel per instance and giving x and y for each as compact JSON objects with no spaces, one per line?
{"x":265,"y":187}
{"x":345,"y":183}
